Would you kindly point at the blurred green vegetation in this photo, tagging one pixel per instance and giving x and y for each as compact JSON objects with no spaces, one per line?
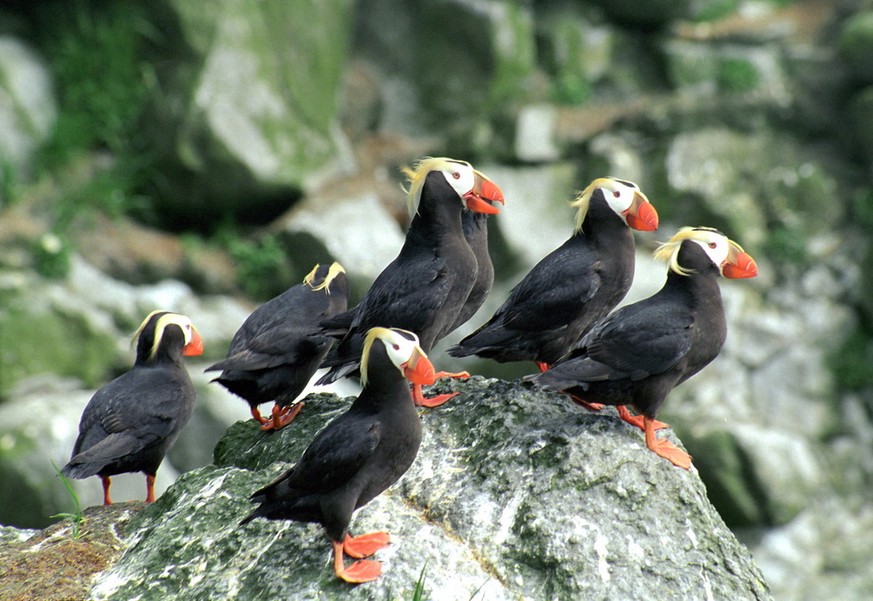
{"x":97,"y":52}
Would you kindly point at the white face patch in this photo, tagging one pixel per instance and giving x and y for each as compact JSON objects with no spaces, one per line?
{"x":619,"y":195}
{"x":399,"y":347}
{"x":165,"y":320}
{"x":715,"y":246}
{"x":460,"y":177}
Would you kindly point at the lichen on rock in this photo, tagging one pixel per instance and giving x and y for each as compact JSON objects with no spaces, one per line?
{"x":516,"y":493}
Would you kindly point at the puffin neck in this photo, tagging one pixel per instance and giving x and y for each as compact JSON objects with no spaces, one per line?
{"x":168,"y":351}
{"x":439,"y":209}
{"x":601,"y":223}
{"x":384,"y":380}
{"x":703,"y":278}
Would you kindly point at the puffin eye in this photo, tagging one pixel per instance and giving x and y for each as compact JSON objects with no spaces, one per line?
{"x":396,"y":347}
{"x":616,"y":194}
{"x":712,"y":245}
{"x":456,"y":175}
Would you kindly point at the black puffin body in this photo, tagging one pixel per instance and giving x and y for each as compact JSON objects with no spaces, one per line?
{"x":357,"y":455}
{"x":638,"y":354}
{"x":279,"y":347}
{"x":426,"y":286}
{"x":573,"y":286}
{"x":475,"y":228}
{"x":131,"y":422}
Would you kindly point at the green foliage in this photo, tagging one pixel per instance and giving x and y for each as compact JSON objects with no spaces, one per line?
{"x":571,"y":88}
{"x":737,"y":75}
{"x":715,"y":10}
{"x":97,"y":55}
{"x":51,"y":256}
{"x":851,"y":362}
{"x":260,"y":265}
{"x":418,"y":593}
{"x":76,"y":518}
{"x":786,"y":245}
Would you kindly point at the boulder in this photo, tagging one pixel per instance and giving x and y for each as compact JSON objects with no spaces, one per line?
{"x":516,"y":493}
{"x":27,"y":110}
{"x":250,"y":111}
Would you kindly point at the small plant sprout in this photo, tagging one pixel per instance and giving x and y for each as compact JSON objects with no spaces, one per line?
{"x":75,"y":518}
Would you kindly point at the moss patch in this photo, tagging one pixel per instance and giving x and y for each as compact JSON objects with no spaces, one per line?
{"x":53,"y":565}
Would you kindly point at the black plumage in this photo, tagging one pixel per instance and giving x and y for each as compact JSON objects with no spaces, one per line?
{"x":426,"y":286}
{"x":475,"y":228}
{"x":639,"y":353}
{"x":278,"y":348}
{"x":573,"y":286}
{"x":131,"y":422}
{"x":357,"y":455}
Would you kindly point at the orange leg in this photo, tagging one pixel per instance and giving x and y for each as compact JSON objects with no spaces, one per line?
{"x":586,"y":404}
{"x":282,"y":416}
{"x":665,"y":448}
{"x":365,"y":544}
{"x":107,"y":482}
{"x":364,"y":570}
{"x":257,"y":415}
{"x":542,"y":366}
{"x":637,"y":420}
{"x":430,"y":402}
{"x":150,"y":488}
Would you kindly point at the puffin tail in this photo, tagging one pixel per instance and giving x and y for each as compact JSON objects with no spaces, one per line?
{"x":460,"y":351}
{"x":79,"y":471}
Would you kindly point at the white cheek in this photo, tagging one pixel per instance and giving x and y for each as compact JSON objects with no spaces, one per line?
{"x":717,"y":255}
{"x":620,"y":203}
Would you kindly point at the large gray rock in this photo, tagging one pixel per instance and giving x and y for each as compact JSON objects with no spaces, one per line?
{"x":516,"y":494}
{"x":253,"y":111}
{"x":27,"y":109}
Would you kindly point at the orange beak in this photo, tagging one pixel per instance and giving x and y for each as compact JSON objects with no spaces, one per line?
{"x":484,"y":193}
{"x":739,"y":264}
{"x":419,"y":369}
{"x":195,"y":347}
{"x":641,"y":215}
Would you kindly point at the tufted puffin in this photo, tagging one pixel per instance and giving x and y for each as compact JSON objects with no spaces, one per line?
{"x":279,"y":347}
{"x":426,"y":286}
{"x":475,"y":227}
{"x":574,"y":285}
{"x":357,"y":455}
{"x":131,"y":422}
{"x":639,"y":353}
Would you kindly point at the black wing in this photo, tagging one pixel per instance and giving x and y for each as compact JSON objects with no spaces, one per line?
{"x":334,"y":456}
{"x":641,"y":339}
{"x":128,"y":414}
{"x":407,"y":294}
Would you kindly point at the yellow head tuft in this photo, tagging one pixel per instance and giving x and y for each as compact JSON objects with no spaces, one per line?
{"x":669,"y":251}
{"x":582,"y":202}
{"x":417,"y":174}
{"x":334,"y":270}
{"x":371,"y":337}
{"x":163,"y":321}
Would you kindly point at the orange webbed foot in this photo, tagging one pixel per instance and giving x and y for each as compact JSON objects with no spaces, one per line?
{"x":282,"y":416}
{"x":430,"y":402}
{"x":586,"y":404}
{"x":364,"y":570}
{"x":434,"y":401}
{"x":665,"y":448}
{"x":365,"y":544}
{"x":638,"y":420}
{"x":256,"y":415}
{"x":459,"y":375}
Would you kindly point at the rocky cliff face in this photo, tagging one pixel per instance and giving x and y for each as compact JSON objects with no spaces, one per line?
{"x":516,"y":494}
